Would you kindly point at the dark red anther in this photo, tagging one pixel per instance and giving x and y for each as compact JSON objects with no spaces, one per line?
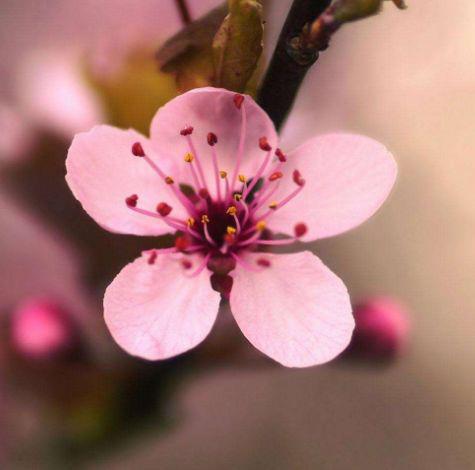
{"x":186,"y":263}
{"x":280,"y":155}
{"x":212,"y":138}
{"x":131,"y":201}
{"x":300,"y":229}
{"x":137,"y":150}
{"x":204,"y":194}
{"x":276,"y":175}
{"x":182,"y":242}
{"x":188,"y":130}
{"x":238,"y":100}
{"x":297,"y":177}
{"x":264,"y":262}
{"x":163,"y":209}
{"x":264,"y":145}
{"x":152,"y":257}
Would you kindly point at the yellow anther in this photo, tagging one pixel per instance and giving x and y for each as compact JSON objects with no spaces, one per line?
{"x":204,"y":219}
{"x":237,"y":197}
{"x":230,"y":230}
{"x":231,"y":210}
{"x":223,"y":174}
{"x":188,"y":157}
{"x":261,"y":225}
{"x":169,"y":180}
{"x":273,"y":205}
{"x":190,"y":222}
{"x":242,"y":178}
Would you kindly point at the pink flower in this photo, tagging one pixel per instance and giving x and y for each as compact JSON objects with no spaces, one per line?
{"x":240,"y":190}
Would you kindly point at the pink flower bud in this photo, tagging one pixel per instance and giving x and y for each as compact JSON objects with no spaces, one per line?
{"x":40,"y":328}
{"x":382,"y":328}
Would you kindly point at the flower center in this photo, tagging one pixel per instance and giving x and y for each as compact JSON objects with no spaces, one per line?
{"x":232,"y":218}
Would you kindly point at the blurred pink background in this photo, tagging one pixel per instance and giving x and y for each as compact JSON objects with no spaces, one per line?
{"x":405,"y":78}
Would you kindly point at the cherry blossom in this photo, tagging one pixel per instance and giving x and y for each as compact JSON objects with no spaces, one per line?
{"x":212,"y":174}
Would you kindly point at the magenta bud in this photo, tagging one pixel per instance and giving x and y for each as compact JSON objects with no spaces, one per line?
{"x":382,"y":328}
{"x":41,"y":329}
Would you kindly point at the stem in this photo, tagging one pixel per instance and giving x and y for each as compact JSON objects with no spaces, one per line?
{"x":290,"y":62}
{"x":184,"y":11}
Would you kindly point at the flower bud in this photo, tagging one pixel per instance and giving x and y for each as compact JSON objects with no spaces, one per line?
{"x":382,"y":328}
{"x":40,"y":329}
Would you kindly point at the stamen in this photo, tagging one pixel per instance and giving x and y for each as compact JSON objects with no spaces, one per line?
{"x":205,"y":222}
{"x":244,"y":264}
{"x":284,"y":201}
{"x":182,"y":242}
{"x":237,"y":197}
{"x":264,"y":144}
{"x":230,"y":230}
{"x":197,"y":161}
{"x":273,"y":205}
{"x":223,"y":174}
{"x":190,"y":222}
{"x":203,"y":193}
{"x":188,"y":130}
{"x":257,"y":176}
{"x":238,"y":100}
{"x":300,"y":229}
{"x":276,"y":175}
{"x":261,"y":225}
{"x":163,"y":209}
{"x":264,"y":262}
{"x":242,"y":178}
{"x":232,"y":210}
{"x":138,"y":150}
{"x":131,"y":201}
{"x":212,"y":141}
{"x":297,"y":177}
{"x":169,"y":180}
{"x":188,"y":157}
{"x":212,"y":138}
{"x":280,"y":155}
{"x":152,"y":257}
{"x":171,"y":223}
{"x":186,"y":263}
{"x":201,"y":267}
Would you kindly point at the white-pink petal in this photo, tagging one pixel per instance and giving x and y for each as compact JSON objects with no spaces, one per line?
{"x":295,"y":311}
{"x":348,"y":177}
{"x":213,"y":110}
{"x":102,"y":173}
{"x":158,"y":311}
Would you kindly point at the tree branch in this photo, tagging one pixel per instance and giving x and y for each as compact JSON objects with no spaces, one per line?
{"x":290,"y":61}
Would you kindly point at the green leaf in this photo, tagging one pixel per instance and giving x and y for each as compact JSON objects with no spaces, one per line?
{"x":188,"y":54}
{"x":237,"y":45}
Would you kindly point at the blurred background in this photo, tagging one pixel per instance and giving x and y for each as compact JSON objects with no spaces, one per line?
{"x":69,"y":395}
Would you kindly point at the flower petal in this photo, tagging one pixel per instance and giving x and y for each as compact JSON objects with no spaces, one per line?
{"x":156,"y":311}
{"x":212,"y":110}
{"x":102,"y":173}
{"x":348,"y":177}
{"x":295,"y":310}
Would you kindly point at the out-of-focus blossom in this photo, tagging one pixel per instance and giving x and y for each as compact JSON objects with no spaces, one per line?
{"x":16,"y":138}
{"x":291,"y":307}
{"x":382,"y":328}
{"x":41,"y":328}
{"x":66,"y":89}
{"x":54,"y":94}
